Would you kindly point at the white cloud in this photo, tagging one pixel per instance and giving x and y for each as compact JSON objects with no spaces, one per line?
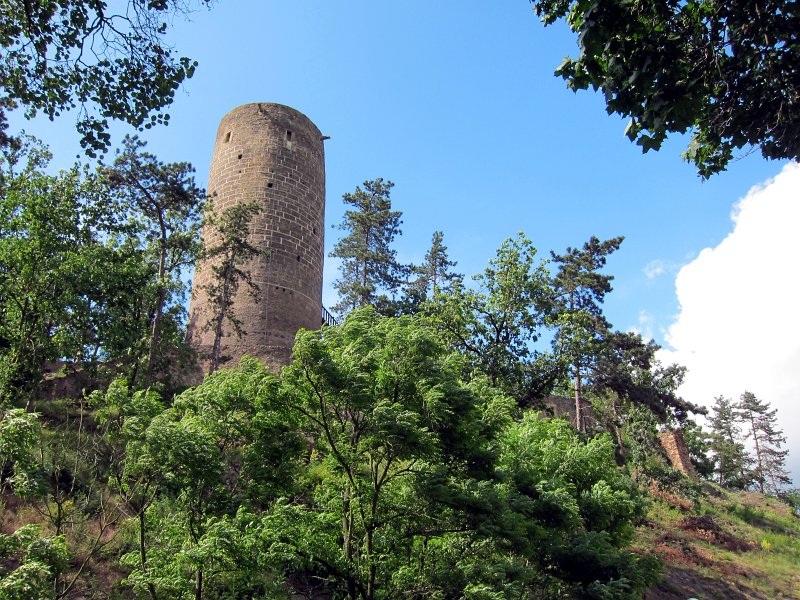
{"x":654,"y":268}
{"x":738,"y":327}
{"x":645,"y":325}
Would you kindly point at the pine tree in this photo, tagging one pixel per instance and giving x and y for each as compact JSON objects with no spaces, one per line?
{"x":434,"y":274}
{"x":229,"y":255}
{"x":167,"y":205}
{"x":369,"y":263}
{"x":580,"y":289}
{"x":770,"y":472}
{"x":730,"y":457}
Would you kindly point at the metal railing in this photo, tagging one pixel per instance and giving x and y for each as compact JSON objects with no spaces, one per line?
{"x":328,"y":318}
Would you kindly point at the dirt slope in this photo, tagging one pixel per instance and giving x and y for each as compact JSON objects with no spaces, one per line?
{"x":723,"y":545}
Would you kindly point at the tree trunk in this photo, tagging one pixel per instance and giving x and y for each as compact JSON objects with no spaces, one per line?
{"x":143,"y":554}
{"x":577,"y":375}
{"x":155,"y":334}
{"x":364,"y":297}
{"x":579,"y":425}
{"x":220,"y":318}
{"x":373,"y":571}
{"x":758,"y":454}
{"x":347,"y":540}
{"x":217,"y":347}
{"x":198,"y":585}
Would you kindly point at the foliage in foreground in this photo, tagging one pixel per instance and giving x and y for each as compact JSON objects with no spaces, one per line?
{"x":132,"y":74}
{"x":724,"y":70}
{"x":369,"y":468}
{"x":420,"y":484}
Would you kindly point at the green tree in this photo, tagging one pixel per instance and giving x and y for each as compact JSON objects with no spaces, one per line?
{"x":29,"y":560}
{"x":115,"y":314}
{"x":68,"y":277}
{"x":424,"y":281}
{"x":41,"y":246}
{"x":384,"y":405}
{"x":579,"y":292}
{"x":19,"y":436}
{"x":369,"y":263}
{"x":792,"y":498}
{"x":769,"y":471}
{"x":625,"y":374}
{"x":434,"y":275}
{"x":627,"y":365}
{"x":496,"y":324}
{"x":421,"y":484}
{"x":723,"y":70}
{"x":53,"y":469}
{"x":225,"y":445}
{"x":108,"y":62}
{"x":727,"y":447}
{"x":582,"y":509}
{"x":70,"y":499}
{"x":229,"y":255}
{"x":165,"y":205}
{"x":122,"y":417}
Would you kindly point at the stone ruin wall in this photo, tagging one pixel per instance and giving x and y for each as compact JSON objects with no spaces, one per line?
{"x":677,"y":452}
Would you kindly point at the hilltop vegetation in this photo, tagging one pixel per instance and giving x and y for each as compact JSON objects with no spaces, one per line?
{"x":724,"y":544}
{"x":407,"y":451}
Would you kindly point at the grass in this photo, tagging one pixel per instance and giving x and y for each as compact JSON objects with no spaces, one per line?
{"x":728,"y":545}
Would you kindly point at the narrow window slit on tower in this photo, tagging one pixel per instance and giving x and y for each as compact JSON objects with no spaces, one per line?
{"x":240,"y":157}
{"x":298,"y":259}
{"x":288,"y":136}
{"x":227,"y":137}
{"x":269,"y":185}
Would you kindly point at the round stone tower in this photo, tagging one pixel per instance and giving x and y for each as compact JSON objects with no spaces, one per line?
{"x":274,"y":155}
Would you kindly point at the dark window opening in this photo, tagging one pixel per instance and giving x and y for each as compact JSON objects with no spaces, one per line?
{"x":314,"y":230}
{"x":269,"y":185}
{"x":288,"y":136}
{"x":240,"y":157}
{"x":298,"y":259}
{"x":227,"y":137}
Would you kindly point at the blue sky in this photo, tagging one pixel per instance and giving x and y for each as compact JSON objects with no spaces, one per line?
{"x":456,"y":103}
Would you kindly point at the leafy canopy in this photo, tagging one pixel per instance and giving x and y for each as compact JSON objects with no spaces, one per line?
{"x":423,"y":485}
{"x":496,"y":323}
{"x":71,"y":279}
{"x":724,"y":70}
{"x":106,"y":61}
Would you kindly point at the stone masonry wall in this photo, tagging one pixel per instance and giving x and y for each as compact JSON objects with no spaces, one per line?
{"x":677,"y":452}
{"x":272,"y":154}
